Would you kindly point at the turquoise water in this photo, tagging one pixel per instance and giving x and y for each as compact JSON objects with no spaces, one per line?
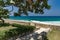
{"x":37,"y":18}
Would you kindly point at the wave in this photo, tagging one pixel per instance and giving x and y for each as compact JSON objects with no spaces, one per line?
{"x":47,"y":22}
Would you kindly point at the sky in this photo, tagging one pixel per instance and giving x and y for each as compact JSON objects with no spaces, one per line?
{"x":54,"y":11}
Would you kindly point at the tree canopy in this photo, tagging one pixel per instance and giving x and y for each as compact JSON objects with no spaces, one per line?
{"x":36,"y":6}
{"x":4,"y":13}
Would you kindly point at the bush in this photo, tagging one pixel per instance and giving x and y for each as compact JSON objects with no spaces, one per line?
{"x":17,"y":25}
{"x":24,"y":27}
{"x":5,"y":24}
{"x":19,"y":30}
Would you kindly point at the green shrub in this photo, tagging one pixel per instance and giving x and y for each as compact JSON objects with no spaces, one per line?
{"x":24,"y":28}
{"x":16,"y":25}
{"x":10,"y":33}
{"x":19,"y":30}
{"x":5,"y":24}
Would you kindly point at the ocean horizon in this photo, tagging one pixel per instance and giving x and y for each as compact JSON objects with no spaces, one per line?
{"x":36,"y":18}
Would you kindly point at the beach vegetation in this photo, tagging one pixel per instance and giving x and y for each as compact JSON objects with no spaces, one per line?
{"x":4,"y":25}
{"x":24,"y":28}
{"x":3,"y":14}
{"x":14,"y":30}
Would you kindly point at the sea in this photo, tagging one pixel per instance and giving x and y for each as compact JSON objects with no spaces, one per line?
{"x":52,"y":20}
{"x":36,"y":18}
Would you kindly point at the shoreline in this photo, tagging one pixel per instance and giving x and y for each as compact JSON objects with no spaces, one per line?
{"x":55,"y":23}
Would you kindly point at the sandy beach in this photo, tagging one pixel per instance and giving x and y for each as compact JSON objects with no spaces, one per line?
{"x":33,"y":23}
{"x":57,"y":23}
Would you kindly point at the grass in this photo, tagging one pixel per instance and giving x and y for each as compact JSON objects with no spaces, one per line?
{"x":6,"y":28}
{"x":54,"y":35}
{"x":3,"y":30}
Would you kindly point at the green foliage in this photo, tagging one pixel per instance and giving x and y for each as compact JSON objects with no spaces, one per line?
{"x":7,"y":3}
{"x":2,"y":3}
{"x":16,"y":14}
{"x":19,"y":30}
{"x":5,"y":24}
{"x":24,"y":6}
{"x":4,"y":13}
{"x":23,"y":27}
{"x":2,"y":35}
